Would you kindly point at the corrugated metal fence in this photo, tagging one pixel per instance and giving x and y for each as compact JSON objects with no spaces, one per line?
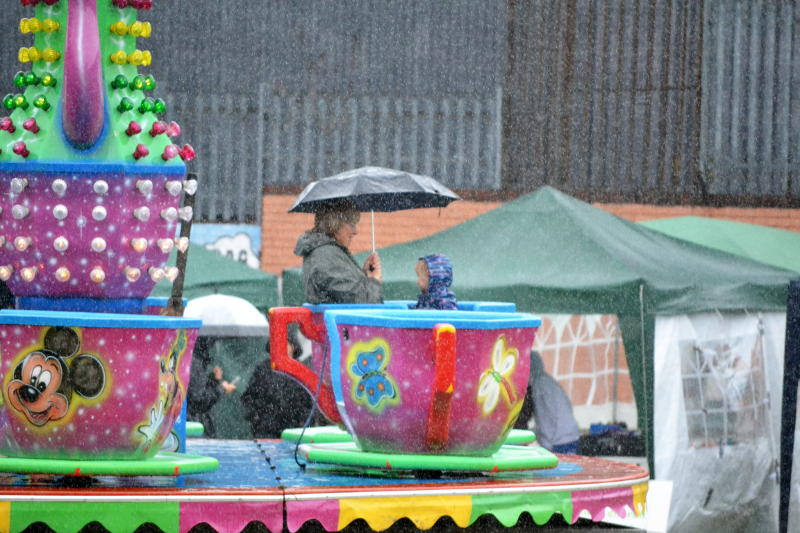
{"x":751,"y":98}
{"x":673,"y":100}
{"x":270,"y":139}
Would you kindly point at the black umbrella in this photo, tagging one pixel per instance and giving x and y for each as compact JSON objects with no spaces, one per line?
{"x":375,"y":189}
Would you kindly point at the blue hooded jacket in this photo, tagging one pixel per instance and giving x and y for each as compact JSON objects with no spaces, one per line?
{"x":439,"y":295}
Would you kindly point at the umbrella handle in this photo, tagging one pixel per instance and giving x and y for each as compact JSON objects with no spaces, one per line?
{"x":444,"y":374}
{"x":280,"y":360}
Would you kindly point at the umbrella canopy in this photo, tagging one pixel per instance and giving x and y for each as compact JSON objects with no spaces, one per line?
{"x":772,"y":246}
{"x":227,"y":316}
{"x":375,"y":189}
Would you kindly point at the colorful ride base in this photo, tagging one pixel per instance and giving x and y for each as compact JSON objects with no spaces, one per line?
{"x":259,"y":481}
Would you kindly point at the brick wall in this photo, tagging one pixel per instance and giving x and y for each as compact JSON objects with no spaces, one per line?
{"x":280,"y":229}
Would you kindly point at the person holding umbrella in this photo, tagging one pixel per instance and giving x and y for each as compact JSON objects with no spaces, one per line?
{"x":330,"y":273}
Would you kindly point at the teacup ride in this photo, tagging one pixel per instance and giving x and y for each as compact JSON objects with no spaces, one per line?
{"x":92,"y":380}
{"x":413,"y":390}
{"x":93,"y":377}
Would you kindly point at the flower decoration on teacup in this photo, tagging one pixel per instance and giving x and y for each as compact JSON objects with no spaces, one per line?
{"x":372,"y":386}
{"x":495,"y":382}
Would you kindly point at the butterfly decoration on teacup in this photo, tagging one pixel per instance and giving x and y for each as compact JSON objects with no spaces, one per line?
{"x":495,"y":382}
{"x":372,"y":384}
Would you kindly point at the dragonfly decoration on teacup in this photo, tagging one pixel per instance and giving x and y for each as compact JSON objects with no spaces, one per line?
{"x":495,"y":382}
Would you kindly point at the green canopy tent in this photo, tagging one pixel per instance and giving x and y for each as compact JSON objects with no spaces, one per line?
{"x":551,"y":253}
{"x":767,"y":245}
{"x":208,"y":272}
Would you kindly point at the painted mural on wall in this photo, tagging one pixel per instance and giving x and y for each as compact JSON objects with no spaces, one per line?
{"x":240,"y":242}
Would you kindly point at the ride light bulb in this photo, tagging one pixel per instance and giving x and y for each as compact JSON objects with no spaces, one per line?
{"x":100,"y":187}
{"x":187,"y":153}
{"x":186,"y":213}
{"x":171,"y":273}
{"x":61,"y":244}
{"x":97,"y":275}
{"x":134,"y":128}
{"x":60,"y":211}
{"x":142,"y":213}
{"x":132,"y":274}
{"x":190,"y":187}
{"x":59,"y":187}
{"x":165,"y":245}
{"x":22,"y":243}
{"x":62,"y":274}
{"x":169,"y":214}
{"x":173,"y":129}
{"x":5,"y":272}
{"x":173,"y":187}
{"x":170,"y":152}
{"x":139,"y":244}
{"x":18,"y":185}
{"x":145,"y":186}
{"x":19,"y":211}
{"x":156,"y":274}
{"x":182,"y":243}
{"x":28,"y":273}
{"x":99,"y":213}
{"x":98,"y":244}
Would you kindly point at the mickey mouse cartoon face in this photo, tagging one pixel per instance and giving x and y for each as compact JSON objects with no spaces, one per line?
{"x":45,"y":380}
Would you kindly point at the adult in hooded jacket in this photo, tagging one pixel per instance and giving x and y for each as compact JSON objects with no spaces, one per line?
{"x":330,"y":274}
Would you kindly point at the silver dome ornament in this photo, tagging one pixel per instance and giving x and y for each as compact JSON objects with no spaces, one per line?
{"x":98,"y":244}
{"x":22,"y":243}
{"x":28,"y":273}
{"x":139,"y":244}
{"x":132,"y":274}
{"x":18,"y":185}
{"x":145,"y":186}
{"x":60,"y":212}
{"x":61,"y":244}
{"x":156,"y":274}
{"x":59,"y":187}
{"x":182,"y":243}
{"x":97,"y":275}
{"x":100,"y":187}
{"x":165,"y":245}
{"x":186,"y":213}
{"x":171,"y":273}
{"x":142,"y":213}
{"x":99,"y":213}
{"x":173,"y":187}
{"x":169,"y":214}
{"x":190,"y":187}
{"x":62,"y":274}
{"x":19,"y":211}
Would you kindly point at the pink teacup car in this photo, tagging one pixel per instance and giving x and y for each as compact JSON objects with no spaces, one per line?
{"x":413,"y":381}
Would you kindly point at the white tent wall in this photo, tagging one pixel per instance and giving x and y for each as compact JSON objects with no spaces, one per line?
{"x":717,"y":397}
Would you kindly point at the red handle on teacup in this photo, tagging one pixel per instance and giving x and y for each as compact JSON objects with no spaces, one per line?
{"x":279,"y":320}
{"x":444,"y":365}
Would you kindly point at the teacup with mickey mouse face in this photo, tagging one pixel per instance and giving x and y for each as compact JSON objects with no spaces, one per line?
{"x":91,"y":385}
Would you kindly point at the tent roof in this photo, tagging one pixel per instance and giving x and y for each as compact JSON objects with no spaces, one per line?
{"x":208,"y":272}
{"x":550,"y":252}
{"x":767,"y":245}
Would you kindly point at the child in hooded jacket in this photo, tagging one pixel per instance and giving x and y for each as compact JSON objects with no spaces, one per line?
{"x":434,"y":277}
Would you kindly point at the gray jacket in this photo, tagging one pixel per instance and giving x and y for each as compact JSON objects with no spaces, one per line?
{"x":331,"y":275}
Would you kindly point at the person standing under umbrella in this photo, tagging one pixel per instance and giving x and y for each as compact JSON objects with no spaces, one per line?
{"x":330,"y":274}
